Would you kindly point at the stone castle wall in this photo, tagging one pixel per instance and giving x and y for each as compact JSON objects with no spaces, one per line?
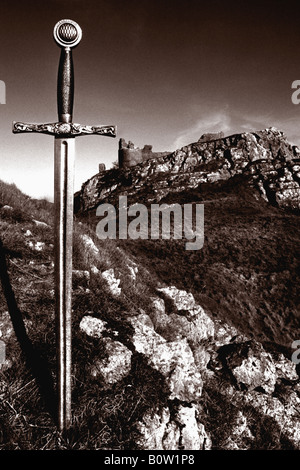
{"x":129,"y":155}
{"x":211,"y":136}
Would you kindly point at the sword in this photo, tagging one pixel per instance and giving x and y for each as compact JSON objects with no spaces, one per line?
{"x":67,"y":35}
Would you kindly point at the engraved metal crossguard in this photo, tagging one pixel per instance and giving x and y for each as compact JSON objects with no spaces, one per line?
{"x":67,"y":35}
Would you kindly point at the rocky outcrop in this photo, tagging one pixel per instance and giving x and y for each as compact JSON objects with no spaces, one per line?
{"x":115,"y":366}
{"x":182,"y":431}
{"x":155,"y":363}
{"x":173,"y":359}
{"x":251,"y":366}
{"x":268,"y":162}
{"x":196,"y":356}
{"x":215,"y":387}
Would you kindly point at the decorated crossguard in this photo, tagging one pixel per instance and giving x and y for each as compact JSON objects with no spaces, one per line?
{"x":67,"y":35}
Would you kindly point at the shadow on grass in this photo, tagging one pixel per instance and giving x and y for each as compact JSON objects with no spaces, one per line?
{"x":37,"y":365}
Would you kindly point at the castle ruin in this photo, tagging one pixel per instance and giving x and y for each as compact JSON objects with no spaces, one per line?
{"x":129,"y":155}
{"x":211,"y":136}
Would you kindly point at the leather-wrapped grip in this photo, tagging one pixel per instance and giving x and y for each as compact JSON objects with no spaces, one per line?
{"x":65,"y":86}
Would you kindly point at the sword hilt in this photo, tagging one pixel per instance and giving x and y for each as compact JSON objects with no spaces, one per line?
{"x":67,"y":34}
{"x":63,"y":129}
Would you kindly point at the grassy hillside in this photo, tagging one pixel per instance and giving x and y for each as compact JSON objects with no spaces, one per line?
{"x":103,"y":419}
{"x":246,"y":273}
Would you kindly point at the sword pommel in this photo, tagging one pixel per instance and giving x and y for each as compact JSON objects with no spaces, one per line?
{"x":67,"y":35}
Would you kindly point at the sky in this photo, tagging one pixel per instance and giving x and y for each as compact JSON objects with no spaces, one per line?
{"x":163,"y":71}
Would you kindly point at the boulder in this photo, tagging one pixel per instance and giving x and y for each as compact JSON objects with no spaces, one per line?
{"x":116,"y":366}
{"x":191,"y":321}
{"x":174,"y":359}
{"x":92,"y":326}
{"x":193,"y":434}
{"x":89,"y":244}
{"x":250,"y":365}
{"x":159,"y":431}
{"x":6,"y":327}
{"x":113,"y":283}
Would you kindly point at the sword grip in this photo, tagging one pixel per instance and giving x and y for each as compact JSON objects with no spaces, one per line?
{"x":65,"y":86}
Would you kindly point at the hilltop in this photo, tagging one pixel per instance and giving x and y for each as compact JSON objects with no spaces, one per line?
{"x":249,"y":185}
{"x":265,"y":160}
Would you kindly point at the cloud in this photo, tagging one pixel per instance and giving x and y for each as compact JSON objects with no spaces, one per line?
{"x":289,"y":125}
{"x":291,"y":128}
{"x":235,"y":122}
{"x":212,"y":122}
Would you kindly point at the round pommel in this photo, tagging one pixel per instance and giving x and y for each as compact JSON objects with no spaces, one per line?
{"x":67,"y":33}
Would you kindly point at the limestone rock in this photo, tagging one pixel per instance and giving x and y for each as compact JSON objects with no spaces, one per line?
{"x":250,"y":364}
{"x":202,"y":356}
{"x":101,"y":167}
{"x":174,"y":359}
{"x":92,"y":326}
{"x":285,"y":369}
{"x":94,"y":270}
{"x":133,"y":270}
{"x":116,"y":366}
{"x":286,"y":418}
{"x":113,"y":283}
{"x":145,"y":339}
{"x":7,"y":333}
{"x":153,"y":430}
{"x":90,"y":245}
{"x":224,"y":333}
{"x":4,"y":362}
{"x":37,"y":246}
{"x":181,"y":299}
{"x":158,"y":305}
{"x":182,"y":432}
{"x":6,"y":327}
{"x":193,"y":434}
{"x":211,"y":136}
{"x":80,"y":277}
{"x":158,"y":315}
{"x":198,"y":325}
{"x":171,"y":437}
{"x":81,"y":274}
{"x":240,"y":435}
{"x":38,"y":223}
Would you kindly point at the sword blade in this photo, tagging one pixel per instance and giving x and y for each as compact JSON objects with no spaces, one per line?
{"x":64,"y":156}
